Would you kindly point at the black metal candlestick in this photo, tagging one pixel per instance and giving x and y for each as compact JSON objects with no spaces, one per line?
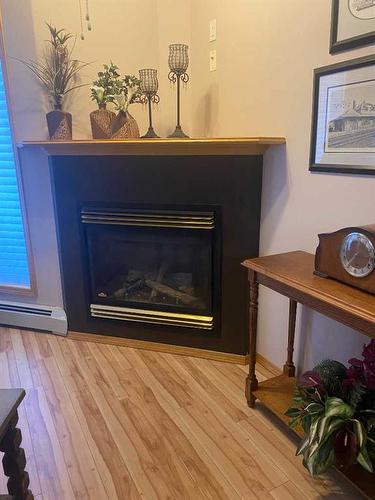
{"x":149,"y":86}
{"x":178,"y":63}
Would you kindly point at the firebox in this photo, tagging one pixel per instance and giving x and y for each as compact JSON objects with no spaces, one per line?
{"x":158,"y":265}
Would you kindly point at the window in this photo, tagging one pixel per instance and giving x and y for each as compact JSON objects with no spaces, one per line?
{"x":14,"y":266}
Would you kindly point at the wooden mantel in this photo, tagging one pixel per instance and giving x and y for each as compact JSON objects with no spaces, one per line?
{"x":159,"y":147}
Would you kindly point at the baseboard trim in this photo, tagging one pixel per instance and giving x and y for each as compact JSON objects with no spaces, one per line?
{"x":268,"y":365}
{"x":194,"y":352}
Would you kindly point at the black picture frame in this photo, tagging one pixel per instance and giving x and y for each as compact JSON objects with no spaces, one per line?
{"x":349,"y":43}
{"x":358,"y":63}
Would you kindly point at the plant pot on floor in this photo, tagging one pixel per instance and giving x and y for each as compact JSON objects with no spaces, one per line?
{"x":124,"y":126}
{"x":59,"y":125}
{"x":101,"y":120}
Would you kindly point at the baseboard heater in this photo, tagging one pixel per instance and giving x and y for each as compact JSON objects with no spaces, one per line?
{"x":34,"y":316}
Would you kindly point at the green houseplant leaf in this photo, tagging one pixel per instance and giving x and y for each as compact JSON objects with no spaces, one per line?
{"x":315,"y":408}
{"x":303,"y":445}
{"x":364,"y":460}
{"x":322,"y":458}
{"x":336,"y":407}
{"x":360,"y":432}
{"x":293,"y":412}
{"x":329,"y":426}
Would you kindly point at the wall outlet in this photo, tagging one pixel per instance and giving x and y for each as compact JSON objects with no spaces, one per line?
{"x":212,"y":34}
{"x":212,"y":60}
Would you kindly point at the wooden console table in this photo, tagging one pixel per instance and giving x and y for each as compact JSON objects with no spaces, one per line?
{"x":291,"y":274}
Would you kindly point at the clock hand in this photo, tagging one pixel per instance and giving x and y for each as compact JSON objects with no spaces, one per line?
{"x":352,"y":258}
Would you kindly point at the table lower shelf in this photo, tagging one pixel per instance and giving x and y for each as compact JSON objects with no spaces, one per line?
{"x":276,"y":394}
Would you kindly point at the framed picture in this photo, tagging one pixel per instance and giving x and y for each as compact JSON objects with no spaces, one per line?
{"x":343,"y":118}
{"x":352,"y":24}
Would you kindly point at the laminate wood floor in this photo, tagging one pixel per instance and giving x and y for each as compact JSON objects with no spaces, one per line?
{"x":106,"y":422}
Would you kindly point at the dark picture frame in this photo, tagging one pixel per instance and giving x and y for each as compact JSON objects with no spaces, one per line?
{"x":349,"y":43}
{"x":350,"y":136}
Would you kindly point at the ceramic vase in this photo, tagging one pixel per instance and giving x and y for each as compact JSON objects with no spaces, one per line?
{"x":101,"y":120}
{"x":59,"y":125}
{"x":124,"y":126}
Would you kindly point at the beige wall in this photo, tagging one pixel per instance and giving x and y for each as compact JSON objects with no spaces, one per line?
{"x":266,"y":52}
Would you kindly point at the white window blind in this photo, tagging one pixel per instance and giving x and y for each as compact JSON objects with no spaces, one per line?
{"x":14,"y":269}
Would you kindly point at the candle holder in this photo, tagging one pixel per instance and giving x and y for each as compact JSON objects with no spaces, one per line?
{"x":149,"y":87}
{"x":178,"y":63}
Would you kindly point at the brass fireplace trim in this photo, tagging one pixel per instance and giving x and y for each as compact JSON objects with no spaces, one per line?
{"x":183,"y":220}
{"x":150,"y":316}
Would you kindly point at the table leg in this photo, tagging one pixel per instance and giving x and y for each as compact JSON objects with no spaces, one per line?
{"x":289,"y":368}
{"x":251,"y":380}
{"x":14,"y":462}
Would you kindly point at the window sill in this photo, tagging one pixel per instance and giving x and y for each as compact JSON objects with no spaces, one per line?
{"x":18,"y":290}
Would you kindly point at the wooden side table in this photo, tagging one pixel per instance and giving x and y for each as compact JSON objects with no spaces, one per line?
{"x":291,"y":274}
{"x":14,"y":460}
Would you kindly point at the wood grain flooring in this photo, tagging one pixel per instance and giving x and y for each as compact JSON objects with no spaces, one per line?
{"x":107,"y":422}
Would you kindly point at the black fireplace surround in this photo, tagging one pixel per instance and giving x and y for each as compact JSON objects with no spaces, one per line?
{"x":150,"y":247}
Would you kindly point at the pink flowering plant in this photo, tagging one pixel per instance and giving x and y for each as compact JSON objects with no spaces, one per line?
{"x":334,"y":405}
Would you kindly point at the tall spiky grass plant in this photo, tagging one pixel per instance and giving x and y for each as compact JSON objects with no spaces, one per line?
{"x":57,"y":70}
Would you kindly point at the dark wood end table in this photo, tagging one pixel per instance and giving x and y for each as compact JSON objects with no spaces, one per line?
{"x":291,"y":274}
{"x":14,"y":460}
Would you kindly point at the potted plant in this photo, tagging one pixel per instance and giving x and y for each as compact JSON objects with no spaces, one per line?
{"x":57,"y":71}
{"x":102,"y":91}
{"x":335,"y":408}
{"x":127,"y":92}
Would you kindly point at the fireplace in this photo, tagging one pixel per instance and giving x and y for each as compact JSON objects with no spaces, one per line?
{"x":153,"y":266}
{"x":150,"y":246}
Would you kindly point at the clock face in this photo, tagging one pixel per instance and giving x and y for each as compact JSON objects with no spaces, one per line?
{"x":357,"y":255}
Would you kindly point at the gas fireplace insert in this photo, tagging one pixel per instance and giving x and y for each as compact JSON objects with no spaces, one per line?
{"x":154,"y":265}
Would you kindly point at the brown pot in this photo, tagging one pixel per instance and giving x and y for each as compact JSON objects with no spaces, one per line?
{"x":59,"y":125}
{"x":101,"y":120}
{"x":124,"y":126}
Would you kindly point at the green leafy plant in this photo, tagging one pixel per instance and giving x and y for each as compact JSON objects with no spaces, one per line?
{"x":57,"y":70}
{"x":127,"y":92}
{"x":103,"y":89}
{"x":336,"y":411}
{"x":332,"y":374}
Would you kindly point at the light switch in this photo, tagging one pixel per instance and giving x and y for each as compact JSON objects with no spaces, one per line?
{"x":212,"y":35}
{"x":212,"y":60}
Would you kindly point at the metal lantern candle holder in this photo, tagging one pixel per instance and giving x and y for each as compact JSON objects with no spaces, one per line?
{"x":178,"y":63}
{"x":149,"y":87}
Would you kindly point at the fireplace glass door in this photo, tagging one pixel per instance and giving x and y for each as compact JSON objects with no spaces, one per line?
{"x":151,"y":266}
